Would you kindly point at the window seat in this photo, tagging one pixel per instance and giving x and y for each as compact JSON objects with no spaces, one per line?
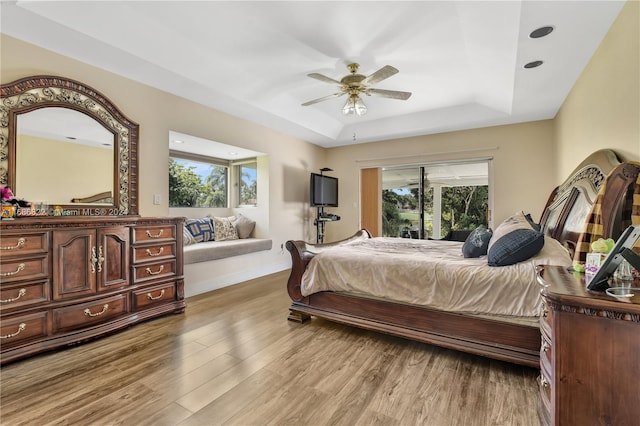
{"x":212,"y":250}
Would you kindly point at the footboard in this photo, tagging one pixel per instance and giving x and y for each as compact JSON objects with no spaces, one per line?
{"x":302,"y":252}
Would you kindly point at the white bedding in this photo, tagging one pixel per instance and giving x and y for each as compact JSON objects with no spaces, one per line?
{"x":432,"y":273}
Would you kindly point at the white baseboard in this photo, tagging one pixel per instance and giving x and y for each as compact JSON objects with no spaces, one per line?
{"x":206,"y":276}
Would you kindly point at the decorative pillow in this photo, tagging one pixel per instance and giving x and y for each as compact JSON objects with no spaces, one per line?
{"x":477,"y":242}
{"x":201,"y":229}
{"x":516,"y":246}
{"x":187,"y":238}
{"x":225,"y":228}
{"x":516,"y":221}
{"x":244,"y":226}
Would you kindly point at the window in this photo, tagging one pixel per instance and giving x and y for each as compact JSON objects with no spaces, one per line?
{"x":197,"y":181}
{"x":247,"y":183}
{"x":433,"y":199}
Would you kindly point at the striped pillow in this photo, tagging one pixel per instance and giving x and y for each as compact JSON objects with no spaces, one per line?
{"x":201,"y":229}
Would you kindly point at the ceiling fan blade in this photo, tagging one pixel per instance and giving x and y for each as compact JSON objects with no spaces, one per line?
{"x":384,"y":72}
{"x":323,"y":78}
{"x":393,"y":94}
{"x":324,"y":98}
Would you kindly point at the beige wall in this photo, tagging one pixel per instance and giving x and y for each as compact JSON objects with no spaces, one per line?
{"x":522,"y":175}
{"x":286,"y":213}
{"x":51,"y":170}
{"x":603,"y":108}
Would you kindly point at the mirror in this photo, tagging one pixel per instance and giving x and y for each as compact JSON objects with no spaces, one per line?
{"x":62,"y":143}
{"x":52,"y":141}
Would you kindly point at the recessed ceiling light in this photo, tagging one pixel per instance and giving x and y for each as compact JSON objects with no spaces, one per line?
{"x":541,"y":32}
{"x":178,"y":141}
{"x":71,"y":138}
{"x":232,"y":153}
{"x":533,"y":64}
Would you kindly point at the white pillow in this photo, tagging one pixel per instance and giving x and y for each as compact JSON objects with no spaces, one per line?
{"x":224,"y":228}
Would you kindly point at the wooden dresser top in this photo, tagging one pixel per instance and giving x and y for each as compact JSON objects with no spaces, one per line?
{"x":567,"y":287}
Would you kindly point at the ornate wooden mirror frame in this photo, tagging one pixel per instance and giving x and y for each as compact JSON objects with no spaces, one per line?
{"x":36,"y":92}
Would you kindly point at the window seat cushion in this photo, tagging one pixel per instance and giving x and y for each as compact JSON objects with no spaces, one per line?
{"x":212,"y":250}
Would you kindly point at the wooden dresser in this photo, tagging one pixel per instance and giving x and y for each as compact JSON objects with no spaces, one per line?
{"x":590,"y":353}
{"x":65,"y":280}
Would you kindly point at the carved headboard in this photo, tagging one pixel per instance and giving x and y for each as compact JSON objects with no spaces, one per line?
{"x":570,"y":204}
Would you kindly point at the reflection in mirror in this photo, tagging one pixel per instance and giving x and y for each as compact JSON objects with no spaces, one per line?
{"x":61,"y":155}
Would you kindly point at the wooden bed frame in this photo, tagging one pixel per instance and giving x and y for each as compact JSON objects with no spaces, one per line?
{"x":563,"y":217}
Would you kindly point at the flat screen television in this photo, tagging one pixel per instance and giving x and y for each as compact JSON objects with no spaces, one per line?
{"x":324,"y":191}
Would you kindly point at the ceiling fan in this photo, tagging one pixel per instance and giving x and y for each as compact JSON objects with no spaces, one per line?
{"x":355,"y":84}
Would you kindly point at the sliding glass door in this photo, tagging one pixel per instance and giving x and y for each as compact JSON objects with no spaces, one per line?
{"x":430,"y":200}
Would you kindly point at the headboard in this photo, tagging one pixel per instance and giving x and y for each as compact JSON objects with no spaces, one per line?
{"x":570,"y":205}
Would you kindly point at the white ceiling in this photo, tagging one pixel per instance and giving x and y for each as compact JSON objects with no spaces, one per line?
{"x":462,"y":60}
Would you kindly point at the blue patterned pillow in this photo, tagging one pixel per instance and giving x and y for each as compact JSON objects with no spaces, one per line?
{"x":201,"y":229}
{"x":477,"y":242}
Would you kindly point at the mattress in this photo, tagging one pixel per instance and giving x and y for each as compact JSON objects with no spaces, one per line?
{"x":433,"y":274}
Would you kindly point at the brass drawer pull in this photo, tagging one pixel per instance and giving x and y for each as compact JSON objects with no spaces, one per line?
{"x":100,"y":259}
{"x":150,"y":297}
{"x":94,"y":260}
{"x":155,"y":254}
{"x":21,"y":292}
{"x":158,"y":235}
{"x":9,"y":274}
{"x":21,"y":328}
{"x":88,"y":312}
{"x":155,"y":273}
{"x":19,"y":244}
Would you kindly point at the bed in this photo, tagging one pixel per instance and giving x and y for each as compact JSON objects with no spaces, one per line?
{"x":501,"y":320}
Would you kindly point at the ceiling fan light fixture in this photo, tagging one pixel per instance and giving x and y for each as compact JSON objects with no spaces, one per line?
{"x":354,"y":105}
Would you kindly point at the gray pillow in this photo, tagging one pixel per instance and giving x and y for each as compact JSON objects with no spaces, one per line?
{"x":244,"y":226}
{"x":477,"y":242}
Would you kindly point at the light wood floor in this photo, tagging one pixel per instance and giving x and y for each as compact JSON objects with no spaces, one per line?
{"x":233,"y":358}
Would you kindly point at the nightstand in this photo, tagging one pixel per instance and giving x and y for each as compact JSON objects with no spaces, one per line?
{"x":590,"y":353}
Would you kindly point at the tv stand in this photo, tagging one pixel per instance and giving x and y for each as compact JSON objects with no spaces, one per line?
{"x":321,"y":219}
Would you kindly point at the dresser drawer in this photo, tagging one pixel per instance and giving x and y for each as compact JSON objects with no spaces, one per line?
{"x":151,"y":296}
{"x":150,"y":233}
{"x":24,"y":243}
{"x":154,"y":252}
{"x":87,"y":314}
{"x":23,"y":269}
{"x":20,"y":328}
{"x":23,"y":295}
{"x":152,"y":271}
